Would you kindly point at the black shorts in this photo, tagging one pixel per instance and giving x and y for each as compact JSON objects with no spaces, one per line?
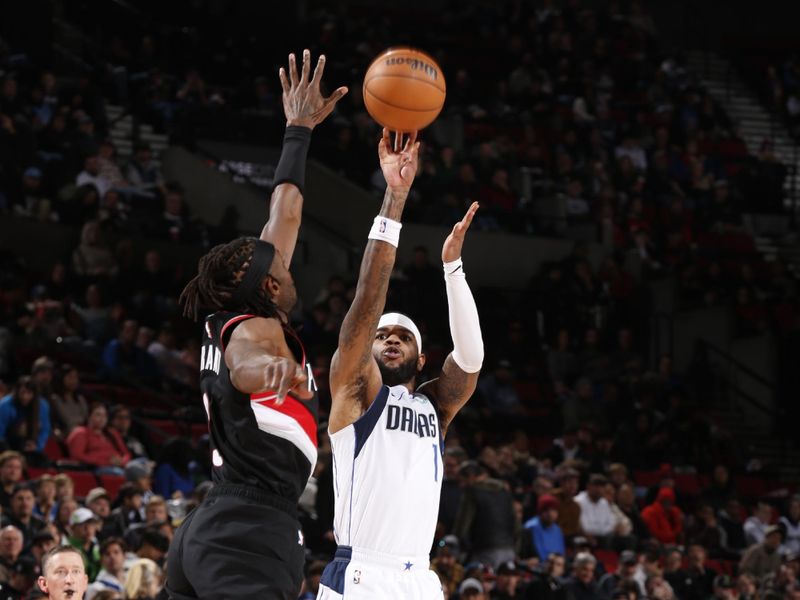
{"x":239,"y":543}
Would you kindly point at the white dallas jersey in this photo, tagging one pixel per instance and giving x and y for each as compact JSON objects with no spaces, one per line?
{"x":387,"y":469}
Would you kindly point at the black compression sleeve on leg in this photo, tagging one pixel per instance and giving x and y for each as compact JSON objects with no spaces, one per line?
{"x":292,"y":164}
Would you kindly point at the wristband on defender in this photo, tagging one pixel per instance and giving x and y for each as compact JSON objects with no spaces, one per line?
{"x":386,"y":230}
{"x":292,"y":164}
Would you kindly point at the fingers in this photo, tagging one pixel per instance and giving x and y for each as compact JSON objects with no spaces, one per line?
{"x":306,"y":65}
{"x":384,"y":144}
{"x":411,"y":143}
{"x":473,"y":208}
{"x":293,"y":70}
{"x":398,"y":141}
{"x":287,"y":377}
{"x":284,"y":80}
{"x":318,"y":71}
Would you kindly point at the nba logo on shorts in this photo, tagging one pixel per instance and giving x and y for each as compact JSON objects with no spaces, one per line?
{"x":356,"y":576}
{"x":382,"y":227}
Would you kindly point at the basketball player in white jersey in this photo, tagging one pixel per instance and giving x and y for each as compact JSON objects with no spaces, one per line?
{"x":387,"y":431}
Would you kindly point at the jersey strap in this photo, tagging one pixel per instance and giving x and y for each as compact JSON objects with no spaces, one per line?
{"x":366,"y":422}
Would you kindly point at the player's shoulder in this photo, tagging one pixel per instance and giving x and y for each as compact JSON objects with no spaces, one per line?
{"x":257,"y":328}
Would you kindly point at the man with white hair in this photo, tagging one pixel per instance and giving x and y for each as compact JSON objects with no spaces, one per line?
{"x":582,"y":584}
{"x":11,"y":543}
{"x":386,"y":430}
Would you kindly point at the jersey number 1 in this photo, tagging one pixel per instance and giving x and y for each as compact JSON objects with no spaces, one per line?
{"x":435,"y":463}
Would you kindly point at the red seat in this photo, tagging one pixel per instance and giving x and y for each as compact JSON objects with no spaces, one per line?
{"x":112,"y":483}
{"x":687,"y":483}
{"x":35,"y":473}
{"x":84,"y":481}
{"x":748,"y":486}
{"x":646,"y":478}
{"x":609,"y":558}
{"x":53,"y":449}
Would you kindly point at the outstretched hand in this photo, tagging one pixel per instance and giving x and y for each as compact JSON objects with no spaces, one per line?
{"x":399,"y":166}
{"x":303,"y":103}
{"x":451,"y":250}
{"x":283,"y":375}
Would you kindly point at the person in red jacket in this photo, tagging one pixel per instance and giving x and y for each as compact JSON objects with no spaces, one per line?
{"x":97,"y":445}
{"x":663,"y":518}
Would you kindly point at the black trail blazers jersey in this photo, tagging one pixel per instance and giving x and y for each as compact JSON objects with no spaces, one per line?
{"x":254,"y":441}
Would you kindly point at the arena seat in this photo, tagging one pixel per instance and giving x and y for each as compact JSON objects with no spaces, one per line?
{"x":646,"y":478}
{"x":84,"y":481}
{"x":53,"y":449}
{"x":111,"y":483}
{"x":749,"y":486}
{"x":609,"y":558}
{"x":35,"y":472}
{"x":688,"y":483}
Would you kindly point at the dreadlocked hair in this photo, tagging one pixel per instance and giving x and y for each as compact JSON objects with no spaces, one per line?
{"x":219,"y":273}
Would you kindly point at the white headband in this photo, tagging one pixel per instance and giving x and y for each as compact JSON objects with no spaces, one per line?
{"x":391,"y":319}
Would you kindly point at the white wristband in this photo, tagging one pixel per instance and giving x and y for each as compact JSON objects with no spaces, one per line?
{"x":385,"y":230}
{"x":455,"y":267}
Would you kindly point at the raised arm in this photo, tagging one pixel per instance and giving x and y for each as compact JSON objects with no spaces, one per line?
{"x":461,"y":368}
{"x":354,"y":375}
{"x":259,"y":361}
{"x":305,"y":108}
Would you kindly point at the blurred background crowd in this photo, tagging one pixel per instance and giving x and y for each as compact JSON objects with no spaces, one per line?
{"x":587,"y":465}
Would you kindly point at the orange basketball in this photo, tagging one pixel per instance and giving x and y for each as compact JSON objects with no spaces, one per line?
{"x":404,"y":89}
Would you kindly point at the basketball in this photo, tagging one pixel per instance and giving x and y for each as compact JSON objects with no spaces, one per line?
{"x":404,"y":89}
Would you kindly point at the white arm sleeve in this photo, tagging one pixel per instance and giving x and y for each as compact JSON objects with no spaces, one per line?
{"x":465,"y":327}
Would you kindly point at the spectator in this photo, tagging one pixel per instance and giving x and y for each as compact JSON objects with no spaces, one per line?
{"x":11,"y":544}
{"x":92,"y":258}
{"x":658,"y":589}
{"x":664,"y":520}
{"x":143,"y":173}
{"x":70,"y":407}
{"x":42,"y":376}
{"x":127,"y":514}
{"x":91,"y":175}
{"x":730,"y":519}
{"x":21,"y":580}
{"x":486,"y":518}
{"x":597,"y":520}
{"x":626,"y":502}
{"x":747,"y":586}
{"x":582,"y":584}
{"x":311,"y":584}
{"x":445,"y":564}
{"x":697,"y":578}
{"x":112,"y":575}
{"x":497,"y":390}
{"x":140,"y":473}
{"x":471,"y":589}
{"x":173,"y":476}
{"x":569,"y":511}
{"x":451,"y":490}
{"x":121,"y":423}
{"x":143,"y":581}
{"x":12,"y":464}
{"x":46,"y":507}
{"x":66,"y":507}
{"x":755,"y":526}
{"x":124,"y":360}
{"x":43,"y":542}
{"x":21,"y":514}
{"x":507,"y":582}
{"x":626,"y":569}
{"x":63,"y":572}
{"x":65,"y":487}
{"x":175,"y":223}
{"x":25,"y":419}
{"x":98,"y":501}
{"x":548,"y":585}
{"x":97,"y":445}
{"x":155,"y":515}
{"x":724,"y":588}
{"x":762,"y":559}
{"x":84,"y":526}
{"x":791,"y":523}
{"x":542,"y":536}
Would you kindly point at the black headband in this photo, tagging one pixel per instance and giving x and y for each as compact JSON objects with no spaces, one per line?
{"x":258,"y":268}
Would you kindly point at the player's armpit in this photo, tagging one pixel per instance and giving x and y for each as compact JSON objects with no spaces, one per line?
{"x":254,"y":345}
{"x":451,"y":391}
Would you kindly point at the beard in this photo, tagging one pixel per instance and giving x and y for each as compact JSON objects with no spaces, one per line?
{"x":399,"y":375}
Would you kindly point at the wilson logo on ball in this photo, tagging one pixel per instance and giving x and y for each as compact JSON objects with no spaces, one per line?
{"x":416,"y":65}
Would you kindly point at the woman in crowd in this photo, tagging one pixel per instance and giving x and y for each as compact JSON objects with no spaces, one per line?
{"x":70,"y":407}
{"x":95,"y":444}
{"x":25,"y":420}
{"x":143,"y":581}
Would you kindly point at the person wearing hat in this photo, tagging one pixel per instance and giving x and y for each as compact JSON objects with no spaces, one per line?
{"x":542,"y":536}
{"x":471,"y":589}
{"x":764,"y":558}
{"x":663,"y":518}
{"x":626,"y":572}
{"x":99,"y":502}
{"x":569,"y":511}
{"x":445,"y":563}
{"x":507,"y":582}
{"x":724,"y":588}
{"x":84,"y":525}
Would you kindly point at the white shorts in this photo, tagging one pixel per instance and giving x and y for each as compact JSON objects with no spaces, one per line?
{"x":366,"y":575}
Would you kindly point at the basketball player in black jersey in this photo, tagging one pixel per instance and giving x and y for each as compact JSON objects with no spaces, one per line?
{"x":244,"y":541}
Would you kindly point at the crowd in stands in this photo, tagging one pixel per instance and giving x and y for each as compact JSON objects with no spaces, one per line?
{"x":583,"y":467}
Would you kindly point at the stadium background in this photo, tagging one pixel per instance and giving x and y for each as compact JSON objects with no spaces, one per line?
{"x":634,"y":259}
